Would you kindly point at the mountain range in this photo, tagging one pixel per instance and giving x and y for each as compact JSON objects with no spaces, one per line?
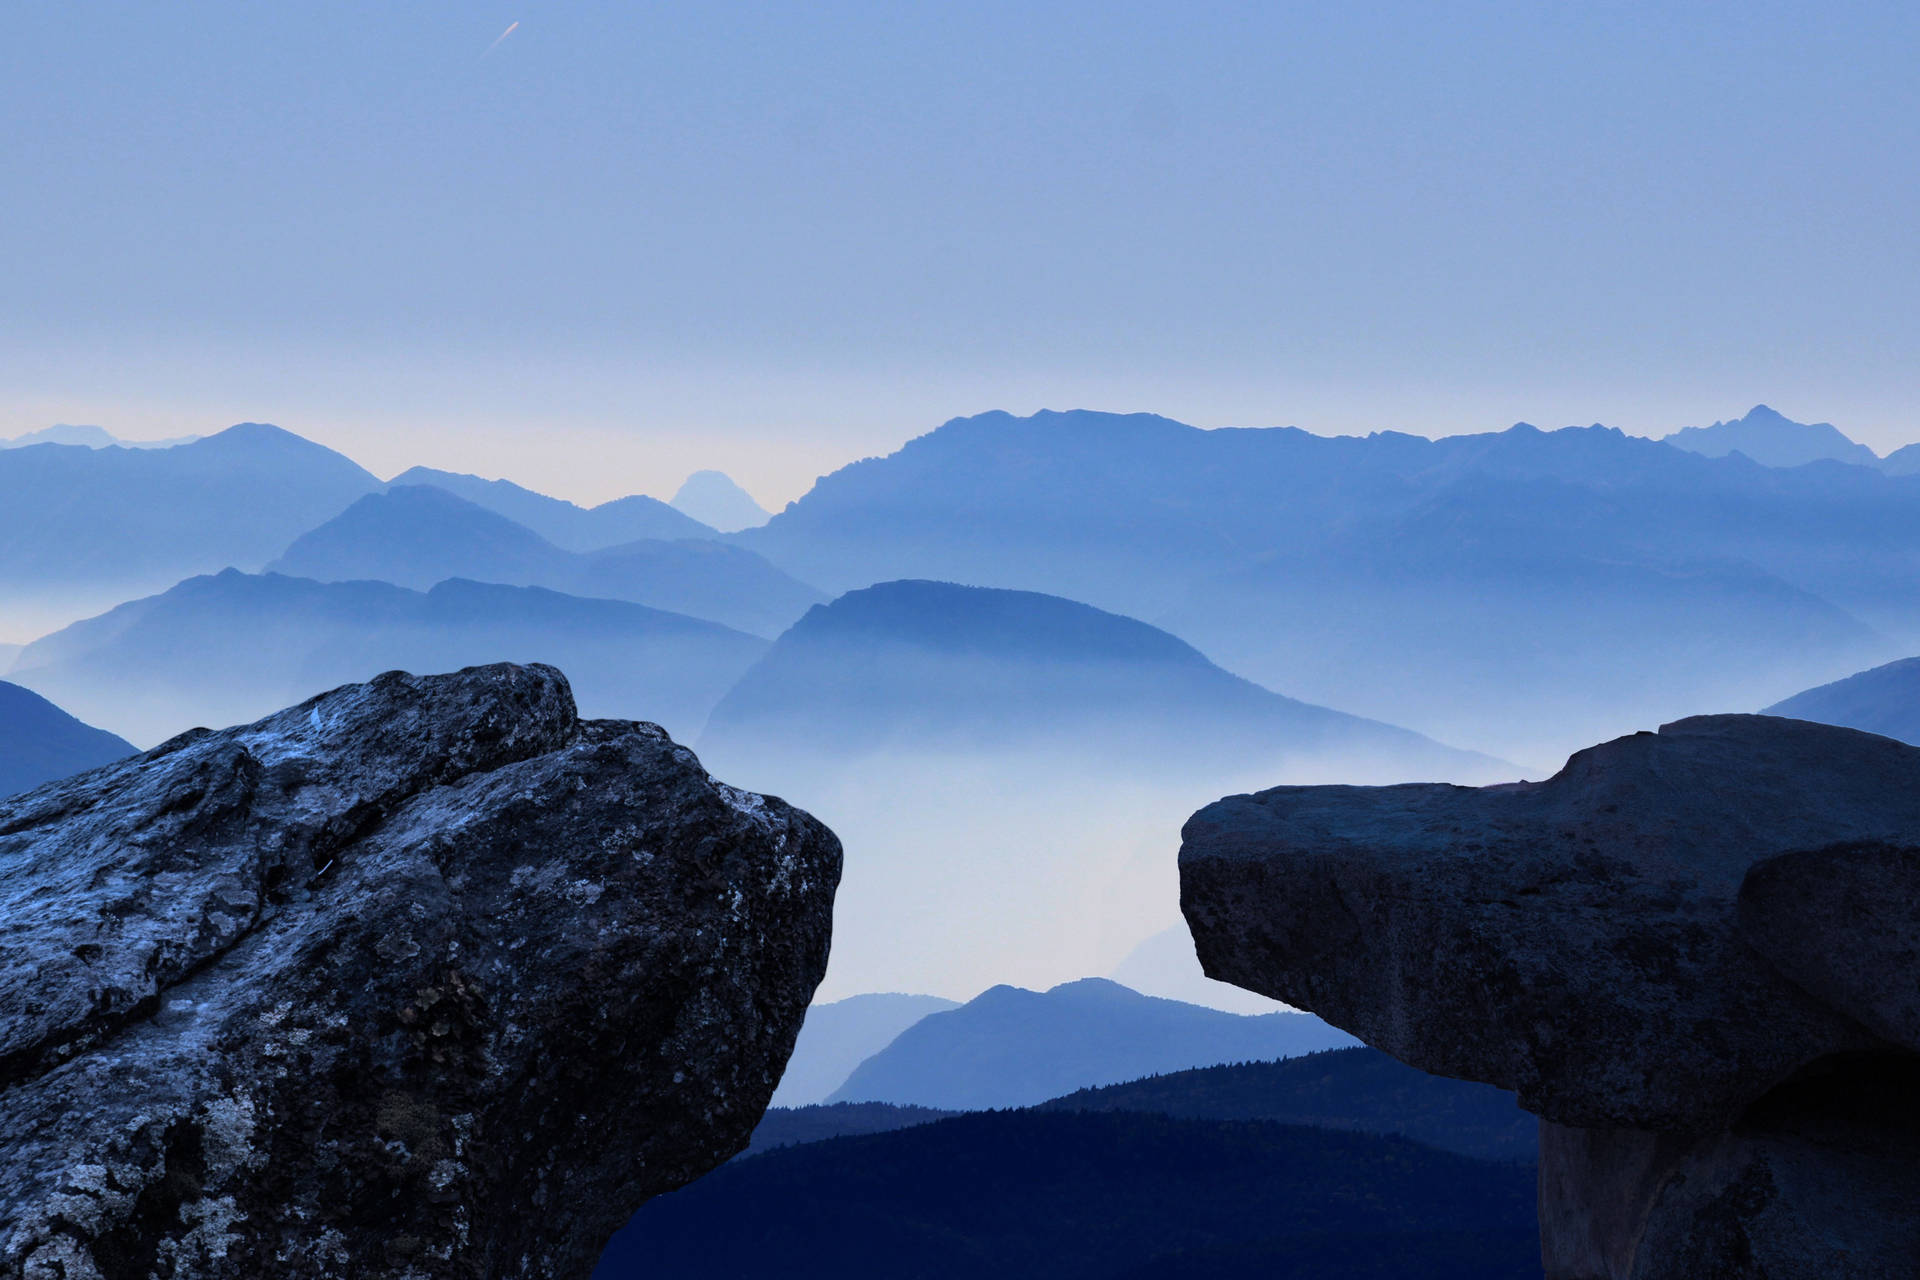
{"x":40,"y":743}
{"x":230,"y":647}
{"x":1009,"y":1047}
{"x":82,"y":529}
{"x":90,"y":437}
{"x":1357,"y":1088}
{"x":420,"y":535}
{"x":1519,"y":592}
{"x":1772,"y":439}
{"x":1522,"y":591}
{"x":560,"y":522}
{"x":88,"y":521}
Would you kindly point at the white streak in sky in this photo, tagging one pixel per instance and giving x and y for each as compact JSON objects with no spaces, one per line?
{"x":502,"y":36}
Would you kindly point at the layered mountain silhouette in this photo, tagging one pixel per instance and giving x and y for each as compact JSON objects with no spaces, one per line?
{"x":39,"y":742}
{"x":1022,"y":1208}
{"x":420,"y":535}
{"x":918,"y":665}
{"x":1090,"y":1195}
{"x":1775,"y":440}
{"x":712,"y":498}
{"x":1009,"y":1047}
{"x":840,"y":1034}
{"x":1359,"y":1088}
{"x":1885,"y":700}
{"x":91,"y":437}
{"x":230,"y":647}
{"x":560,"y":522}
{"x":989,"y":756}
{"x":82,"y":528}
{"x":1524,"y":591}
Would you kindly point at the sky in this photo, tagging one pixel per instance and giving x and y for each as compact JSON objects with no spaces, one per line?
{"x":631,"y":240}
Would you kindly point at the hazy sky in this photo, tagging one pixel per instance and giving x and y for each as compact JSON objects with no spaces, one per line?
{"x":633,"y":240}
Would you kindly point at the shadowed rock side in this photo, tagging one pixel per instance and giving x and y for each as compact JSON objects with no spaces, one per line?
{"x":425,"y":977}
{"x":1691,"y":953}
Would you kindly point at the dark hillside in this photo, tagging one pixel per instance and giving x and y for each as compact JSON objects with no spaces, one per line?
{"x":793,"y":1126}
{"x":1361,"y":1089}
{"x":1089,"y":1196}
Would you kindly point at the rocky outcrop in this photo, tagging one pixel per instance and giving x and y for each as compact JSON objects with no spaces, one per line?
{"x":1692,"y":953}
{"x":425,"y":977}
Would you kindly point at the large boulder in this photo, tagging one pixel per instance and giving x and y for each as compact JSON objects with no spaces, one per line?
{"x":425,"y":977}
{"x":1692,"y":953}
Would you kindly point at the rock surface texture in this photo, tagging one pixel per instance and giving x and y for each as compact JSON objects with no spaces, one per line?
{"x":425,"y":977}
{"x":1694,"y":954}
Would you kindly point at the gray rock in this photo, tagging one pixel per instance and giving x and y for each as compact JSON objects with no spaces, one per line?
{"x":1693,"y":953}
{"x":423,"y":978}
{"x":1577,"y":940}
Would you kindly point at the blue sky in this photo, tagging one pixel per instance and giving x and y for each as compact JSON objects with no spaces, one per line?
{"x":637,"y":239}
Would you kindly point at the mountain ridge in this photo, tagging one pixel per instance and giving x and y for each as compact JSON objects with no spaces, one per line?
{"x":215,"y":648}
{"x":565,"y":524}
{"x":419,"y":535}
{"x":1258,"y":544}
{"x":82,"y":529}
{"x":926,"y":664}
{"x":1775,"y":440}
{"x":1011,"y":1047}
{"x":713,"y":498}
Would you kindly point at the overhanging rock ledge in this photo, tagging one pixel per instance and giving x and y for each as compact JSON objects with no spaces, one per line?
{"x":1692,"y":953}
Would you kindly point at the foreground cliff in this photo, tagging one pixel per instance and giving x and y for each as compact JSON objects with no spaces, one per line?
{"x":423,"y":978}
{"x":1693,"y":954}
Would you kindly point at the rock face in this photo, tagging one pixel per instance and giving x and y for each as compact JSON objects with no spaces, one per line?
{"x":1692,"y":953}
{"x":425,"y":977}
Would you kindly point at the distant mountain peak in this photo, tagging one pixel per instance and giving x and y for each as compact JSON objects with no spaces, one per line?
{"x":924,"y":665}
{"x":1101,"y":987}
{"x":954,"y":617}
{"x":1772,"y":439}
{"x":417,"y":535}
{"x":256,"y":431}
{"x":1010,"y":1046}
{"x":560,"y":522}
{"x":712,"y":498}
